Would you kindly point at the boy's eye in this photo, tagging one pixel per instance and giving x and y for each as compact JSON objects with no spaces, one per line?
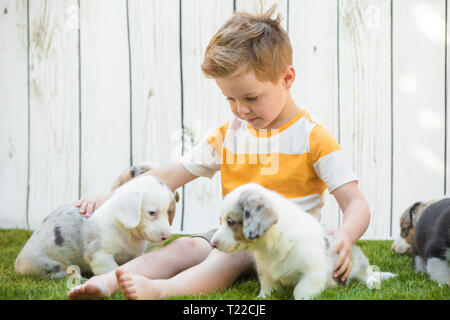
{"x":251,"y":98}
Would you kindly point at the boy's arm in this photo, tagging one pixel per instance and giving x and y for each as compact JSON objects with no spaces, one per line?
{"x":356,"y":220}
{"x":355,"y":209}
{"x":174,"y":175}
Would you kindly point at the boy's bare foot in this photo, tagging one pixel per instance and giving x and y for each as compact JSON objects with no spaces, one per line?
{"x":95,"y":288}
{"x":136,"y":287}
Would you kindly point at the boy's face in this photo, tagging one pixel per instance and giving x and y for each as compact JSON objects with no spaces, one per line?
{"x":259,"y":103}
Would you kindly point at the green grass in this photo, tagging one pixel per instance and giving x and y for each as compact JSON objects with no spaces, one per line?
{"x":407,"y":285}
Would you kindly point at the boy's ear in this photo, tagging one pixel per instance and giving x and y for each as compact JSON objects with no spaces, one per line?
{"x":288,"y":77}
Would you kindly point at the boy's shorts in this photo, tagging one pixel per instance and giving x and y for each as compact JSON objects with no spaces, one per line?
{"x":205,"y":235}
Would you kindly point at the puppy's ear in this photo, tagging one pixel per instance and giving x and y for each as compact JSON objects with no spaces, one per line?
{"x":171,"y":211}
{"x":419,"y":211}
{"x":415,"y":212}
{"x":172,"y":207}
{"x":128,"y":208}
{"x":406,"y":219}
{"x":258,"y":215}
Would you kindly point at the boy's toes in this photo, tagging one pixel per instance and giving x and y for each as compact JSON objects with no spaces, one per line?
{"x":126,"y":284}
{"x":130,"y":293}
{"x":136,"y":287}
{"x":123,"y":278}
{"x":122,"y":275}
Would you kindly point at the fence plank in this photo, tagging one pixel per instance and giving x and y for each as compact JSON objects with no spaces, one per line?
{"x":204,"y":106}
{"x":343,"y":74}
{"x":447,"y":99}
{"x":105,"y":94}
{"x":419,"y":106}
{"x":156,"y":88}
{"x":313,"y":34}
{"x":53,"y":108}
{"x":14,"y":113}
{"x":365,"y":106}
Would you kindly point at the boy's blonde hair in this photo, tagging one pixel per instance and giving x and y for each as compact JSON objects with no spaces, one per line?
{"x":246,"y":43}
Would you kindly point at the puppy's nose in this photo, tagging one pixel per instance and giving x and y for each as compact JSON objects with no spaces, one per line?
{"x":165,"y":236}
{"x":214,"y":244}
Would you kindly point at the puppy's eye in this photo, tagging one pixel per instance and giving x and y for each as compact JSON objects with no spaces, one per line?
{"x":152,"y":213}
{"x":230,"y":222}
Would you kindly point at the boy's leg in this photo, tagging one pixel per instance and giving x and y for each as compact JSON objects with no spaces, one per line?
{"x":218,"y":271}
{"x":162,"y":263}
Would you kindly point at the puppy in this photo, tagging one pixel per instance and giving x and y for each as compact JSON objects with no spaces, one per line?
{"x":135,"y":171}
{"x":431,"y":245}
{"x":131,"y":173}
{"x":408,"y":221}
{"x":117,"y":232}
{"x":290,"y":245}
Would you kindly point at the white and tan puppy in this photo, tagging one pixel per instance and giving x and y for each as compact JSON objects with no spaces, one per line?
{"x":117,"y":232}
{"x":291,"y":247}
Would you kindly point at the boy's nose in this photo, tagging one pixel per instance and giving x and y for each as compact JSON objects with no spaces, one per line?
{"x":242,"y":109}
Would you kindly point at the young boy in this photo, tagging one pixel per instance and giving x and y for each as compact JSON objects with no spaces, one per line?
{"x":250,"y":58}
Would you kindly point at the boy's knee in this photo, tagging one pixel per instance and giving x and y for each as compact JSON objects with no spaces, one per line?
{"x":188,"y":245}
{"x":245,"y":258}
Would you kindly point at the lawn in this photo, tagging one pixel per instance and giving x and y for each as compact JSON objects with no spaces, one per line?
{"x":407,"y":285}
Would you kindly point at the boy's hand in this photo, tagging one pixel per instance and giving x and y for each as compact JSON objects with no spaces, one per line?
{"x":343,"y":247}
{"x":88,"y":206}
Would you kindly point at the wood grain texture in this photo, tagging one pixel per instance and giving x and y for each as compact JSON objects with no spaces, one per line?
{"x":419,"y":103}
{"x":140,"y":83}
{"x":313,"y":33}
{"x":54,"y":109}
{"x":156,"y":85}
{"x":13,"y":113}
{"x":205,"y":107}
{"x":105,"y":94}
{"x":447,"y":47}
{"x":365,"y":106}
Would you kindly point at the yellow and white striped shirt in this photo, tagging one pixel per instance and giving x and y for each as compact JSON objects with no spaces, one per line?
{"x":299,"y":160}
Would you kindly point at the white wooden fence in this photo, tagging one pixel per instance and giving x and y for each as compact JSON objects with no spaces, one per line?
{"x":89,"y":87}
